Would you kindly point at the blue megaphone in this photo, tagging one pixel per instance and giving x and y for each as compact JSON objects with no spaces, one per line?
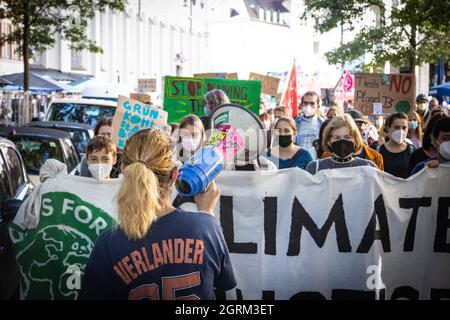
{"x":200,"y":170}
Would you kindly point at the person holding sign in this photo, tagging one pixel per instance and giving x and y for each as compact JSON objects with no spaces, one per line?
{"x":397,"y":151}
{"x":157,"y":251}
{"x":342,"y":139}
{"x":286,"y":153}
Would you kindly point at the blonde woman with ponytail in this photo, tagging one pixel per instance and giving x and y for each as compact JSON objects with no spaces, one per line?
{"x":158,"y":251}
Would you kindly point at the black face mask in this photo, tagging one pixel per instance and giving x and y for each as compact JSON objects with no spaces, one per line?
{"x":285,"y":141}
{"x":343,"y":148}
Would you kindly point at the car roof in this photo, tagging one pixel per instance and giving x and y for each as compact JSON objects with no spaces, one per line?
{"x":4,"y":140}
{"x":33,"y":131}
{"x":59,"y":124}
{"x":99,"y":102}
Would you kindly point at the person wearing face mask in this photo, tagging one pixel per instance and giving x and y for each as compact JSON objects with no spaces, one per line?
{"x":422,"y":106}
{"x":286,"y":154}
{"x":213,"y":99}
{"x":308,"y":122}
{"x":441,"y":143}
{"x":397,"y":151}
{"x":102,"y":128}
{"x":191,"y":137}
{"x":101,"y":156}
{"x":341,"y":138}
{"x":427,"y":151}
{"x":415,"y":129}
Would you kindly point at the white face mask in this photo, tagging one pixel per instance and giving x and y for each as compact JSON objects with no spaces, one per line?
{"x":444,"y":150}
{"x":379,"y":122}
{"x":190,"y":144}
{"x":100,"y":171}
{"x":308,"y":111}
{"x":398,"y":136}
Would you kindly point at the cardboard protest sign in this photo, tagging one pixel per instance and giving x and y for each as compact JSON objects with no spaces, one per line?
{"x":396,"y":92}
{"x":269,"y":84}
{"x":147,"y":85}
{"x":142,"y":97}
{"x":133,"y":115}
{"x":219,"y":75}
{"x":183,"y":96}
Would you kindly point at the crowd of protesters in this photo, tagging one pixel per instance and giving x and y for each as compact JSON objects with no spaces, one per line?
{"x":399,"y":144}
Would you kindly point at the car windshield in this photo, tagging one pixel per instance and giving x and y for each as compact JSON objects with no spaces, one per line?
{"x":80,"y":113}
{"x":79,"y":137}
{"x":35,"y":151}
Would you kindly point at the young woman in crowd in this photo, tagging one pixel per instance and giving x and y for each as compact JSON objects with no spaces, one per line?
{"x":286,"y":154}
{"x":342,"y":139}
{"x":441,"y":142}
{"x":427,"y":151}
{"x":191,"y":135}
{"x":415,"y":129}
{"x":157,"y":251}
{"x":397,"y":152}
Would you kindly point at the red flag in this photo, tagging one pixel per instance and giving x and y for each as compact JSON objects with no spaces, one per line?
{"x":289,"y":98}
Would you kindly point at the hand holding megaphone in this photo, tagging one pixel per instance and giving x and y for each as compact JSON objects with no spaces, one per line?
{"x":200,"y":170}
{"x":207,"y":200}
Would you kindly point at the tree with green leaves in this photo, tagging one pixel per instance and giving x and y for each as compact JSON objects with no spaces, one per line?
{"x":410,"y":33}
{"x":38,"y":22}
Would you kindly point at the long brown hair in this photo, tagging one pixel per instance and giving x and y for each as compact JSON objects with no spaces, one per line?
{"x":149,"y":158}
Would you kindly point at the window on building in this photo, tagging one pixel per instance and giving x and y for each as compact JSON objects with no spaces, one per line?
{"x":76,"y":60}
{"x":316,"y":47}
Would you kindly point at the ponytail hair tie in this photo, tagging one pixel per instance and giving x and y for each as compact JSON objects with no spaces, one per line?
{"x":141,"y":161}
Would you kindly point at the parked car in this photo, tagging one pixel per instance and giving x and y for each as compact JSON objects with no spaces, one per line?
{"x":80,"y":133}
{"x":36,"y":145}
{"x":15,"y":186}
{"x":85,"y":111}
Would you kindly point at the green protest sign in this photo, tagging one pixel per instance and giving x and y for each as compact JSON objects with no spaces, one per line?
{"x":183,"y":96}
{"x":52,"y":256}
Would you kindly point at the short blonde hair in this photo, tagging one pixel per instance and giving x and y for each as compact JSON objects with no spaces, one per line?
{"x":340,"y":121}
{"x":149,"y":158}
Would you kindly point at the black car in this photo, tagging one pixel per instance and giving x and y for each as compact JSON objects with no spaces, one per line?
{"x":15,"y":186}
{"x":36,"y":145}
{"x":80,"y":133}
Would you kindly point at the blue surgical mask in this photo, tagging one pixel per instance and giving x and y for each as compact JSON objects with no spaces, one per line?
{"x":413,"y":125}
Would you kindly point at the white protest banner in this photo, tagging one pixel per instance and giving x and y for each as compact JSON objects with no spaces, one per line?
{"x":132,"y":116}
{"x":354,"y":233}
{"x":55,"y":230}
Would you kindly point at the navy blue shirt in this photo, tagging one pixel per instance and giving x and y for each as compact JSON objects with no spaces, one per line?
{"x":184,"y":256}
{"x":300,"y":159}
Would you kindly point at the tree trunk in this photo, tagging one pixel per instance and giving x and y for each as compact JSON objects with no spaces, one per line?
{"x":25,"y":48}
{"x":413,"y":44}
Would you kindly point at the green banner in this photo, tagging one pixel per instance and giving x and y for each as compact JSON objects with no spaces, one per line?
{"x":52,"y":256}
{"x":183,"y":96}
